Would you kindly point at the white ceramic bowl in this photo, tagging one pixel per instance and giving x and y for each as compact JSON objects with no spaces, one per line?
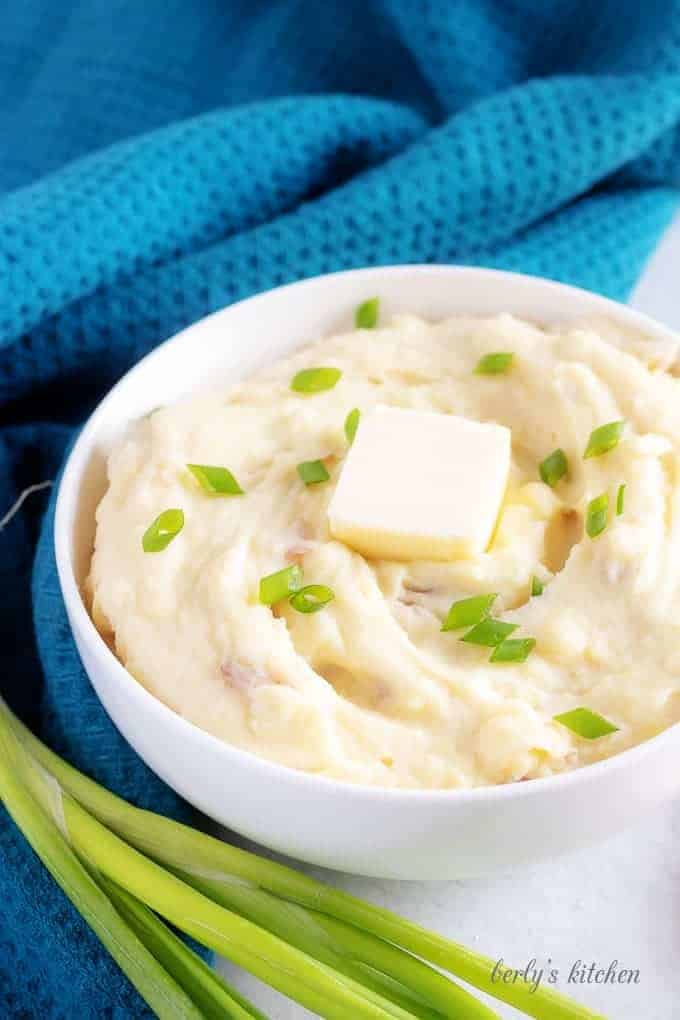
{"x":386,"y":833}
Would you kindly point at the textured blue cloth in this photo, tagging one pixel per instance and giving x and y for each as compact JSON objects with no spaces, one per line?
{"x":539,"y":135}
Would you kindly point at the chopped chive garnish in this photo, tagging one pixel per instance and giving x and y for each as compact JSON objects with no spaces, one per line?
{"x":217,"y":480}
{"x":312,"y":472}
{"x":585,"y":723}
{"x":513,"y":650}
{"x":553,"y":468}
{"x":312,"y":598}
{"x":467,"y":612}
{"x":494,"y":364}
{"x":620,"y":499}
{"x":489,"y":632}
{"x":352,"y":424}
{"x":278,"y":586}
{"x":596,"y":515}
{"x":161,"y":532}
{"x":537,"y":586}
{"x":604,"y":439}
{"x":366,"y":315}
{"x":314,"y":380}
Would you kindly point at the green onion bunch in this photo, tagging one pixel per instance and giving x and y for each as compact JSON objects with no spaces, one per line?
{"x":132,"y":873}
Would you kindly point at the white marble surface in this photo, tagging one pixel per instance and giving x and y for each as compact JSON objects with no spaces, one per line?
{"x":618,"y":901}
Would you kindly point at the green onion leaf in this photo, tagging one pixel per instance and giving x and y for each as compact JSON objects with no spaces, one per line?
{"x":34,"y":800}
{"x":312,"y":598}
{"x":553,"y":468}
{"x":604,"y":439}
{"x":620,"y":499}
{"x":596,"y":515}
{"x":262,"y":889}
{"x":208,"y":991}
{"x":537,"y":586}
{"x":494,"y":364}
{"x":312,"y":472}
{"x":467,"y":612}
{"x":585,"y":723}
{"x":278,"y":586}
{"x":161,"y":532}
{"x":489,"y":632}
{"x":314,"y":380}
{"x":219,"y":481}
{"x":513,"y":650}
{"x":352,"y":424}
{"x":366,"y":315}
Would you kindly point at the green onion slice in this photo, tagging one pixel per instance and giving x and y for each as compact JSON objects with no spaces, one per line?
{"x":278,"y":586}
{"x":312,"y":472}
{"x":513,"y":650}
{"x":489,"y":632}
{"x":620,"y":499}
{"x":494,"y":364}
{"x":537,"y":586}
{"x":312,"y":598}
{"x":553,"y":468}
{"x":366,"y":315}
{"x":314,"y":380}
{"x":596,"y":515}
{"x":217,"y":480}
{"x":467,"y":612}
{"x":352,"y":424}
{"x":585,"y":723}
{"x":161,"y":532}
{"x":604,"y":439}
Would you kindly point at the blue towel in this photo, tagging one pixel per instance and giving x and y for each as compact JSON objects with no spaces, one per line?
{"x":161,"y":159}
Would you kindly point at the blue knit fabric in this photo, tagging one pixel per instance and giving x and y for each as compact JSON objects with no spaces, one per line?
{"x":161,"y":159}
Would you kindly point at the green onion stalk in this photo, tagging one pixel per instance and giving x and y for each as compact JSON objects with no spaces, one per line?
{"x":130,"y":871}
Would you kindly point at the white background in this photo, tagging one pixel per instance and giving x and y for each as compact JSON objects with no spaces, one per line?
{"x":618,"y":901}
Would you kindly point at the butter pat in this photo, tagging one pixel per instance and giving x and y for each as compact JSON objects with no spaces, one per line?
{"x":420,"y":485}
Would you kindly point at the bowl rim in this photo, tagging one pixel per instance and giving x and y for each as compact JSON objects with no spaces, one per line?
{"x":80,"y":619}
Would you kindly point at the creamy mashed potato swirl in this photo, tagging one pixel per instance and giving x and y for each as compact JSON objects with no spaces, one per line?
{"x":369,"y":690}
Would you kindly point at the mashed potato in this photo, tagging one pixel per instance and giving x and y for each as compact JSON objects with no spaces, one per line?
{"x":369,"y":689}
